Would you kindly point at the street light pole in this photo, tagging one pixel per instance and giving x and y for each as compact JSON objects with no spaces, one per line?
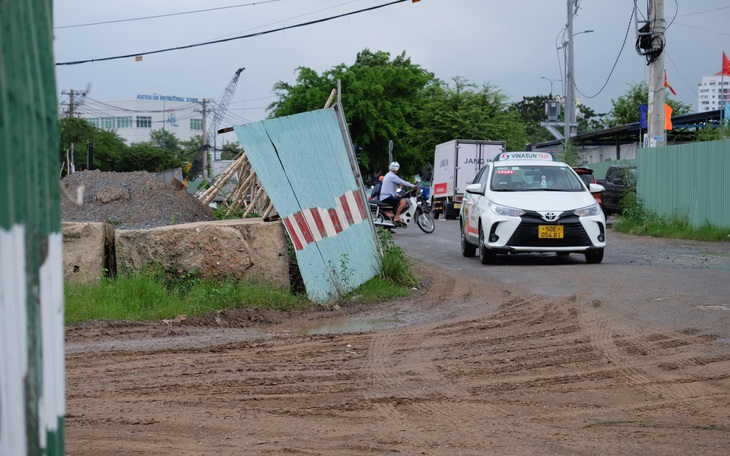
{"x":551,"y":84}
{"x":570,"y":75}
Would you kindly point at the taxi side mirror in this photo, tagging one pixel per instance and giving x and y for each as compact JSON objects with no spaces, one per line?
{"x":596,"y":188}
{"x":475,"y":189}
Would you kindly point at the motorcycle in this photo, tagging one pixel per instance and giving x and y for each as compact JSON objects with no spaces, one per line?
{"x":417,"y":208}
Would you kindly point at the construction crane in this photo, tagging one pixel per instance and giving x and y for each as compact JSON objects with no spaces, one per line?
{"x":218,"y":112}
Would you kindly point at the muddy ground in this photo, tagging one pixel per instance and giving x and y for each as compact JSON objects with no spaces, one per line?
{"x":464,"y":367}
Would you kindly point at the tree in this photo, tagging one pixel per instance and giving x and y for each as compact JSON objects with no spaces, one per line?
{"x":146,"y":156}
{"x":380,"y":97}
{"x":590,"y":120}
{"x":166,"y":140}
{"x":468,"y":112}
{"x":191,"y":157}
{"x":626,"y":107}
{"x":108,"y":145}
{"x":231,"y":151}
{"x":531,"y":111}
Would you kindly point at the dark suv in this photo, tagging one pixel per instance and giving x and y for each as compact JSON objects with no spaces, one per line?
{"x":619,"y":180}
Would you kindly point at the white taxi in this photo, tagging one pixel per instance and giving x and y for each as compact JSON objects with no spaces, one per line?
{"x":526,"y":202}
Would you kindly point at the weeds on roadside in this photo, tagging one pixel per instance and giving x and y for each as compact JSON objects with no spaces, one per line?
{"x":396,"y":267}
{"x":636,"y":219}
{"x":152,"y":294}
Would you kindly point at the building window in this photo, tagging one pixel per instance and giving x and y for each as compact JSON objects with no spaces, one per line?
{"x":94,"y":121}
{"x":196,"y":124}
{"x":144,"y":122}
{"x":124,"y":122}
{"x":107,"y":123}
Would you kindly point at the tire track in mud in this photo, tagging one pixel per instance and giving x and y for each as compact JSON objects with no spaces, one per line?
{"x":663,"y":365}
{"x":416,"y":396}
{"x":479,"y":370}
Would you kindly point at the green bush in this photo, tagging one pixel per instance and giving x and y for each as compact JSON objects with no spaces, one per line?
{"x":636,"y":219}
{"x":396,"y":268}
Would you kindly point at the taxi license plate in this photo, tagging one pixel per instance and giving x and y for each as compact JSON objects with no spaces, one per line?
{"x":550,"y":231}
{"x":457,"y":205}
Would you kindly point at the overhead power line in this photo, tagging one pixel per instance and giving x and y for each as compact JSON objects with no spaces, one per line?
{"x":614,"y":63}
{"x":133,"y":19}
{"x":224,"y":40}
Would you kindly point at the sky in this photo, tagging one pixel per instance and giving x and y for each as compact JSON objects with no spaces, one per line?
{"x":511,"y":45}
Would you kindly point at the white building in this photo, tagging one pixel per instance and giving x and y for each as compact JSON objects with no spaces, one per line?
{"x":712,"y":92}
{"x":133,"y":120}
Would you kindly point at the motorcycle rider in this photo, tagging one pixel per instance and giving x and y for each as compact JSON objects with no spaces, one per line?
{"x":388,"y":191}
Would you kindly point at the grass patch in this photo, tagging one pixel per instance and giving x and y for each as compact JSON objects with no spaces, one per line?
{"x":151,"y":295}
{"x":636,"y":219}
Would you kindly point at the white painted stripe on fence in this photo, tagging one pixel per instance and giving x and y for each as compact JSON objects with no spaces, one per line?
{"x":51,"y":405}
{"x":13,"y":341}
{"x":341,"y":215}
{"x":354,"y":208}
{"x":327,"y":221}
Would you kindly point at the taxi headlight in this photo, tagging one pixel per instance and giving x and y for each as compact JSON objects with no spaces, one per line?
{"x":593,"y":209}
{"x":505,"y":210}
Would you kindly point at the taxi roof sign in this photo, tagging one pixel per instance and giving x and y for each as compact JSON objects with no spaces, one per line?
{"x":524,"y":156}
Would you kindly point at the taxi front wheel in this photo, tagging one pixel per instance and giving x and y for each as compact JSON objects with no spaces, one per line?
{"x":467,"y":250}
{"x":594,"y":256}
{"x":486,"y":256}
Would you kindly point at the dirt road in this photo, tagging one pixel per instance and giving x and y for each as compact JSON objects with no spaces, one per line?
{"x":467,"y":366}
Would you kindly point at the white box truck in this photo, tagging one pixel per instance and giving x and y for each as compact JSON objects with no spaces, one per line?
{"x":455,"y":164}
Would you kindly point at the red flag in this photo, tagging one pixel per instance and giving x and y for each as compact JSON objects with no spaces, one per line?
{"x":666,"y":84}
{"x":668,"y":117}
{"x":725,"y":64}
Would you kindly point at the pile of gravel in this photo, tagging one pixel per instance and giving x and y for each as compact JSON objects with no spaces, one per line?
{"x":137,"y":200}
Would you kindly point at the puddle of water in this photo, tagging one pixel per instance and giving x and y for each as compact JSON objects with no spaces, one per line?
{"x":723,"y":341}
{"x":346,"y":325}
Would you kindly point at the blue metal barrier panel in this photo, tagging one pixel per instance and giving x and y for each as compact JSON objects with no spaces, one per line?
{"x":302,"y":163}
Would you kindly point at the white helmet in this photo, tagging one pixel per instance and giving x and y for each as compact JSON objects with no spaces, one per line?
{"x":395,"y":166}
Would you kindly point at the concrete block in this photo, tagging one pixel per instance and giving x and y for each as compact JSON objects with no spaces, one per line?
{"x":247,"y":249}
{"x":85,"y":250}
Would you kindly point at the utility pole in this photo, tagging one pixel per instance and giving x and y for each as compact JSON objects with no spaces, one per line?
{"x":205,"y":141}
{"x":655,"y":114}
{"x":72,"y":101}
{"x":570,"y":84}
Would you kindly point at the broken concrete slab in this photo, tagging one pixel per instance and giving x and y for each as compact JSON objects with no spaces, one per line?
{"x":248,"y":249}
{"x":85,"y":251}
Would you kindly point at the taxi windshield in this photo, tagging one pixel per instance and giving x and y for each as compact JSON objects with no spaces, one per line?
{"x":526,"y":177}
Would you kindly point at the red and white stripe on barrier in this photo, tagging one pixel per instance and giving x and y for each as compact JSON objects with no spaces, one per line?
{"x":315,"y":224}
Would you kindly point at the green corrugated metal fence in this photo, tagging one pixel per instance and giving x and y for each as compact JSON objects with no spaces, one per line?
{"x":31,"y":261}
{"x":688,"y":179}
